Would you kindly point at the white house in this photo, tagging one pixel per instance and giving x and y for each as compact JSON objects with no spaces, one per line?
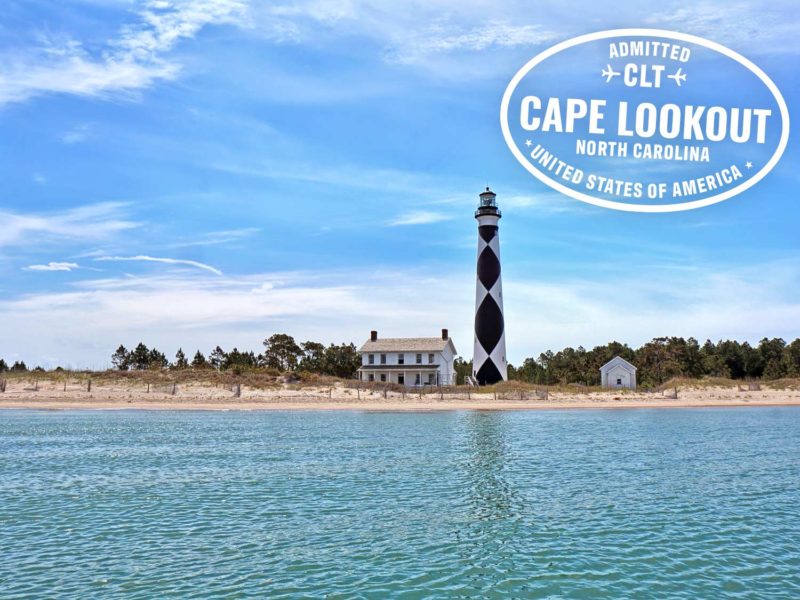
{"x":618,"y":373}
{"x":408,"y":361}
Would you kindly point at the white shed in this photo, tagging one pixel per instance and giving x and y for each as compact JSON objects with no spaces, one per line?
{"x":618,"y":373}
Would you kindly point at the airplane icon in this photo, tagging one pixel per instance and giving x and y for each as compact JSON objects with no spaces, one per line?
{"x":678,"y":76}
{"x":609,"y":73}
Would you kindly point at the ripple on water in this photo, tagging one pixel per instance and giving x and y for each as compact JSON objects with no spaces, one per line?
{"x":578,"y":504}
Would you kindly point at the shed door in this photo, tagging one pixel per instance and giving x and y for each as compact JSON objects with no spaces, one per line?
{"x":619,"y":378}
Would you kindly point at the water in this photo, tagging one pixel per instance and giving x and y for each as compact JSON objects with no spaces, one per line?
{"x":563,"y":504}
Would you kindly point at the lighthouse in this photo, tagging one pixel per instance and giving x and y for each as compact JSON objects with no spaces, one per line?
{"x":489,"y":356}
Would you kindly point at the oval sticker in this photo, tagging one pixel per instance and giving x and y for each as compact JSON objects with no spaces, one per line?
{"x":644,"y":120}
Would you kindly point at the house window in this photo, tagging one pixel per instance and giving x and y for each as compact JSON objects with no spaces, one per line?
{"x":430,"y":359}
{"x":619,"y":381}
{"x":383,"y":359}
{"x":419,"y":359}
{"x":401,"y":359}
{"x":417,"y":379}
{"x":430,"y":378}
{"x":383,"y":376}
{"x":401,"y":379}
{"x":371,"y":377}
{"x":371,"y":359}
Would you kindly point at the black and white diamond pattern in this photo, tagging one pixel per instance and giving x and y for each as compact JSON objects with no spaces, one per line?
{"x":489,"y":357}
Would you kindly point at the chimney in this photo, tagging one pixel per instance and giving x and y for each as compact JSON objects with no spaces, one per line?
{"x":373,"y":336}
{"x":445,"y":335}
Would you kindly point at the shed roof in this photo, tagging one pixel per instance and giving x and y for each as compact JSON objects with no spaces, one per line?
{"x":433,"y":344}
{"x":617,"y":361}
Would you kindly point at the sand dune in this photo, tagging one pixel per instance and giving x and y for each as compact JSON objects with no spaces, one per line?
{"x":208,"y":396}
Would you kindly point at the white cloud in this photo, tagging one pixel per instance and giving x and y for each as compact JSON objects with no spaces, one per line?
{"x":337,"y":174}
{"x":133,"y":61}
{"x":732,"y":303}
{"x":744,"y":25}
{"x":54,"y":266}
{"x":541,"y":202}
{"x":444,"y":35}
{"x":442,"y":38}
{"x":432,"y":35}
{"x":216,"y":238}
{"x":76,"y":135}
{"x":83,"y":223}
{"x":419,"y":217}
{"x":86,"y":322}
{"x":168,"y":261}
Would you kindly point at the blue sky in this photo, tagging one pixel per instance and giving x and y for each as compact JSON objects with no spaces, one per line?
{"x":202,"y":172}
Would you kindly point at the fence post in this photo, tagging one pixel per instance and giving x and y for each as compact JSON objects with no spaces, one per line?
{"x":174,"y":388}
{"x":89,"y":386}
{"x":2,"y":386}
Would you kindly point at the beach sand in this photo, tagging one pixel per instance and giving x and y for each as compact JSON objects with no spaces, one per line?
{"x":51,"y":395}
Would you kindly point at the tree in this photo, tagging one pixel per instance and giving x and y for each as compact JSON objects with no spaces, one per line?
{"x":313,"y":359}
{"x":199,"y":361}
{"x":657,"y":361}
{"x":18,"y":367}
{"x":792,"y":353}
{"x":238,"y":361}
{"x":217,"y":357}
{"x":774,"y":357}
{"x":753,"y":361}
{"x":341,"y":361}
{"x":140,"y":357}
{"x":281,"y":352}
{"x":730,"y":353}
{"x":463,"y":368}
{"x":662,"y":358}
{"x":713,"y":362}
{"x":3,"y":366}
{"x":180,"y":359}
{"x":121,"y":358}
{"x":157,"y":360}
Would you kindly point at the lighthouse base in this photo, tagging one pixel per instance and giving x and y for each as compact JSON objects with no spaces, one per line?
{"x":488,"y":374}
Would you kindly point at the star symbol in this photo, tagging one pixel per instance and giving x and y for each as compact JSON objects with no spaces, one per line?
{"x":748,"y":164}
{"x":528,"y":143}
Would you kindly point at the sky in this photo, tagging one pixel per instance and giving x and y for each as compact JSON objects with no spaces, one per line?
{"x":193,"y":173}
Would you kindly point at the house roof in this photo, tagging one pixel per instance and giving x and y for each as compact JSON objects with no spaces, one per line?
{"x":434,"y":344}
{"x":618,"y":361}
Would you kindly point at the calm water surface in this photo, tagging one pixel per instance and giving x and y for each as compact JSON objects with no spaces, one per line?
{"x":561,"y":504}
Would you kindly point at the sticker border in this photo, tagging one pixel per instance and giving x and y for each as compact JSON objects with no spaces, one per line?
{"x":660,"y":33}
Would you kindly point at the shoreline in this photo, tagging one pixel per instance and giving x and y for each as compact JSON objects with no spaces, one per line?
{"x":384,"y":406}
{"x":103,"y":394}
